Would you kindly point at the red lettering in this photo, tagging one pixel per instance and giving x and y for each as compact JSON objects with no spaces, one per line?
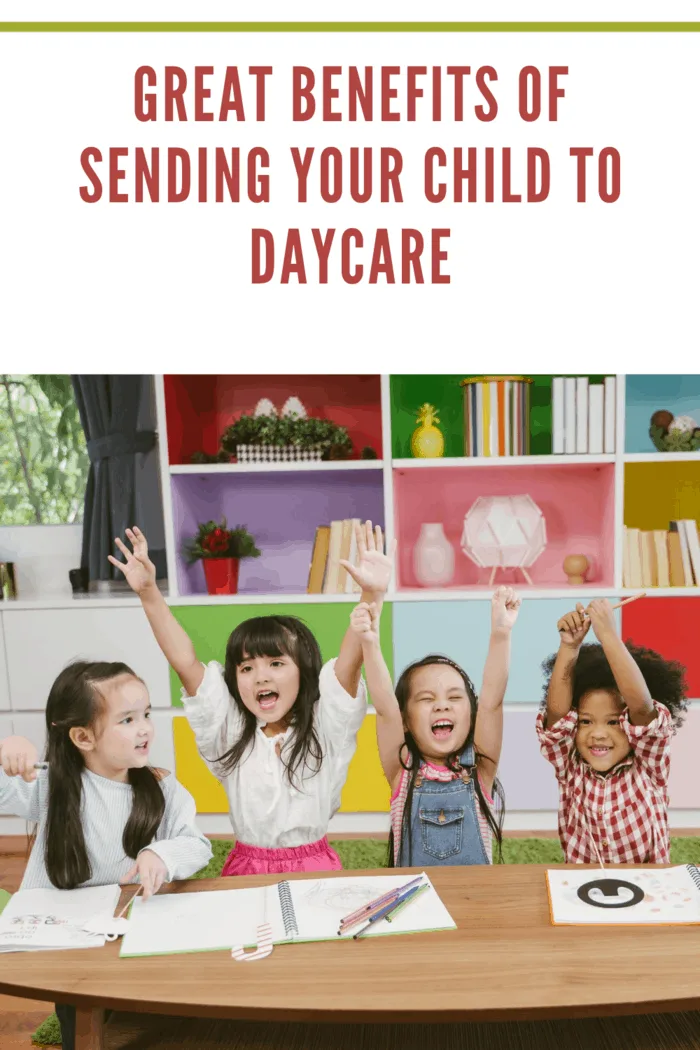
{"x":301,"y":166}
{"x":89,"y":154}
{"x":201,"y":92}
{"x":529,"y":83}
{"x":410,"y":256}
{"x":609,"y":193}
{"x":482,"y":74}
{"x":323,"y":247}
{"x":459,"y":73}
{"x":231,"y":98}
{"x":260,"y":72}
{"x":257,"y":274}
{"x":330,"y":92}
{"x":293,"y":261}
{"x":438,"y":255}
{"x":581,"y":152}
{"x":331,"y":166}
{"x":260,"y":193}
{"x":390,"y":174}
{"x":350,"y":276}
{"x":534,"y":154}
{"x":413,"y":91}
{"x":116,"y":174}
{"x":144,"y":174}
{"x":145,"y":106}
{"x":175,"y":84}
{"x":303,"y":102}
{"x":389,"y":92}
{"x":359,"y":92}
{"x":175,"y":195}
{"x":555,"y":92}
{"x":381,"y":259}
{"x":435,"y":153}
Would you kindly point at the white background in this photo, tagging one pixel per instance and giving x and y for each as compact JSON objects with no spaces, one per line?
{"x":574,"y":282}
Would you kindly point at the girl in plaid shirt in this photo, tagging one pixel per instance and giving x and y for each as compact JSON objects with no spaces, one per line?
{"x":610,"y":713}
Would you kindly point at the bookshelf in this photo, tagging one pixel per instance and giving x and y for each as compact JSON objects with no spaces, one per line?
{"x":586,"y":501}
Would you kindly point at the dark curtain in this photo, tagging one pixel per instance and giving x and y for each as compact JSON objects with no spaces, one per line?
{"x":123,"y":465}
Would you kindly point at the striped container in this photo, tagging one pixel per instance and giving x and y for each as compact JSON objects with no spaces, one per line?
{"x":496,"y":416}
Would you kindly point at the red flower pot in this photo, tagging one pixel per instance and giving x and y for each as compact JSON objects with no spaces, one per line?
{"x":221,"y":575}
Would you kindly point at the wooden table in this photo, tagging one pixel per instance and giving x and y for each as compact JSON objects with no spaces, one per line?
{"x":505,"y":962}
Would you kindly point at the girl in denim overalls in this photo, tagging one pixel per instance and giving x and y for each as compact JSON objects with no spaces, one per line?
{"x":439,"y":746}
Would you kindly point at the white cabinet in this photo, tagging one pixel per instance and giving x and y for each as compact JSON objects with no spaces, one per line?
{"x":4,"y":683}
{"x":40,"y":642}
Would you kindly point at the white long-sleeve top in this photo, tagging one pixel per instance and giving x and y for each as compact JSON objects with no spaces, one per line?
{"x":105,"y":809}
{"x":265,"y":809}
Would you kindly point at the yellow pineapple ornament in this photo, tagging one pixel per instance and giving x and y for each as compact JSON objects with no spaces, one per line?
{"x":427,"y":441}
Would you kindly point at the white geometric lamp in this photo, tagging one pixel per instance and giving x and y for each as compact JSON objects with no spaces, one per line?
{"x":504,"y":532}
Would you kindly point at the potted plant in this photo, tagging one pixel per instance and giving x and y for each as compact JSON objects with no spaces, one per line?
{"x":221,"y":549}
{"x":278,"y":439}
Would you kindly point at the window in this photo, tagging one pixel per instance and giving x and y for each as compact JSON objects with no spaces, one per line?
{"x":43,"y":459}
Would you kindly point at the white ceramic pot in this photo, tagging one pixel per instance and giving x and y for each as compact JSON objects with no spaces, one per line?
{"x":433,"y":556}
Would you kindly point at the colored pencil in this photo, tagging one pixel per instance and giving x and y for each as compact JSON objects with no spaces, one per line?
{"x":388,"y":910}
{"x":409,"y":897}
{"x":41,"y":765}
{"x":130,"y":901}
{"x":634,"y":598}
{"x":379,"y":900}
{"x":346,"y":926}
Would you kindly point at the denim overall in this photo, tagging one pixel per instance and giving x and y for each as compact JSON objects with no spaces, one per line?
{"x":444,"y":821}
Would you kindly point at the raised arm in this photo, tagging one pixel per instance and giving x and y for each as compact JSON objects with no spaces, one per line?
{"x":175,"y":643}
{"x":488,"y":732}
{"x":572,"y":628}
{"x":372,"y":574}
{"x":630,"y":681}
{"x":364,"y":623}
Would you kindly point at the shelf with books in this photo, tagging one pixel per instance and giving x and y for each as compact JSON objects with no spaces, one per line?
{"x":282,"y":512}
{"x":678,"y":396}
{"x":276,"y":468}
{"x":502,"y":461}
{"x":577,"y":502}
{"x":199,"y":408}
{"x":534,"y":413}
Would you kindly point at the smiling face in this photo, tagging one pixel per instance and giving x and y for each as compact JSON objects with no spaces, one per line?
{"x":438,"y":711}
{"x":600,"y":739}
{"x":268,"y":686}
{"x":121,"y":738}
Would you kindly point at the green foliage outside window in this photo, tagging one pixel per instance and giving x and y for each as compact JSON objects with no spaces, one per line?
{"x":43,"y":458}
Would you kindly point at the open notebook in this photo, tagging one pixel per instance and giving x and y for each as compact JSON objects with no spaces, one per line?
{"x":51,"y":919}
{"x":625,"y":896}
{"x":303,"y":910}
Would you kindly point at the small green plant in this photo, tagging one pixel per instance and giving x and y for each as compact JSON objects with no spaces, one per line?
{"x":674,"y":434}
{"x":215,"y":540}
{"x":281,"y":431}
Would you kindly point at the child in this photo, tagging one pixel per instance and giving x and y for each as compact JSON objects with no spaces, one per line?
{"x":439,"y":747}
{"x":609,"y":741}
{"x":274,"y":726}
{"x":103,"y":815}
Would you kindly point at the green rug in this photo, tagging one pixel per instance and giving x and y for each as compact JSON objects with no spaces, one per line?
{"x":371,"y":853}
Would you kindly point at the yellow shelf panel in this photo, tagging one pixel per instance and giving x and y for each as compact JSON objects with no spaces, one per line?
{"x":656,"y":493}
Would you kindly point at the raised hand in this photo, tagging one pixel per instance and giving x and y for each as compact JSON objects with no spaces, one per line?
{"x":373,"y":570}
{"x":505,"y":605}
{"x":18,"y":756}
{"x":574,"y":627}
{"x":138,"y":569}
{"x":602,"y":618}
{"x":364,"y":621}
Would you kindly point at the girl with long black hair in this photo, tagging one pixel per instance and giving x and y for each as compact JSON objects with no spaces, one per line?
{"x":274,"y":724}
{"x":440,"y":745}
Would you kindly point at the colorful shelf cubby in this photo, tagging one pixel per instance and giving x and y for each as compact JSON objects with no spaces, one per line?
{"x":586,"y":500}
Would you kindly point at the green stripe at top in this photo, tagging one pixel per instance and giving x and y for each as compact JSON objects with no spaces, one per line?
{"x":349,"y":27}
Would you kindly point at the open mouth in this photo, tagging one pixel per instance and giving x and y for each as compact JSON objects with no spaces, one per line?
{"x":142,"y":747}
{"x":442,"y":728}
{"x":600,"y":752}
{"x":267,"y":698}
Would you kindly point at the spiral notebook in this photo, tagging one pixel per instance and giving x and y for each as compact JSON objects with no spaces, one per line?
{"x":52,"y":920}
{"x":299,"y":910}
{"x":625,"y":896}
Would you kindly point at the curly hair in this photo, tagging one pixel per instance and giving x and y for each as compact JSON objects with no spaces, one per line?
{"x":665,"y":679}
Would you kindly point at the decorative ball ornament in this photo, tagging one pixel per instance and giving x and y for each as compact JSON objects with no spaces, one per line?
{"x":504,"y":532}
{"x":576,"y":566}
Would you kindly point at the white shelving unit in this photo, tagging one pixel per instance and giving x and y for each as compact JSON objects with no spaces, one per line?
{"x":388,"y":466}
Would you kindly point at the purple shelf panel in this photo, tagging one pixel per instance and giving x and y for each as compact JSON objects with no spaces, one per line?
{"x":282,"y":511}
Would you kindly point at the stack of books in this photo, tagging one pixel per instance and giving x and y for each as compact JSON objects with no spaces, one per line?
{"x":583,"y":416}
{"x":333,"y":542}
{"x":662,"y":559}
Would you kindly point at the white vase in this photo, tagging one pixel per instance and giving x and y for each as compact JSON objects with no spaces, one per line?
{"x":433,"y":556}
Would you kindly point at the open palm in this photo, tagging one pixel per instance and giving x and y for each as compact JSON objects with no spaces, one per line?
{"x":139,"y":571}
{"x":373,"y":570}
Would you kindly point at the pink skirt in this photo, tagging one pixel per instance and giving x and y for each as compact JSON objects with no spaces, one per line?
{"x":256,"y":860}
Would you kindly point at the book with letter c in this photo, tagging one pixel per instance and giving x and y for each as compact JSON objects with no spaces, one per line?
{"x":625,"y":896}
{"x":298,"y":910}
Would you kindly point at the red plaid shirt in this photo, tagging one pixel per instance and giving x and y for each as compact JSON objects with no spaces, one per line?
{"x":624,"y":811}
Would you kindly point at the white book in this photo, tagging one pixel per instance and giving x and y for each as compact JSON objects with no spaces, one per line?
{"x":570,"y":415}
{"x":679,"y":527}
{"x":626,"y":559}
{"x":610,"y":414}
{"x":625,"y":896}
{"x":297,"y":911}
{"x":53,"y":920}
{"x":596,"y":418}
{"x":691,"y":532}
{"x":582,"y":414}
{"x":350,"y":586}
{"x":663,"y":570}
{"x":558,"y":415}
